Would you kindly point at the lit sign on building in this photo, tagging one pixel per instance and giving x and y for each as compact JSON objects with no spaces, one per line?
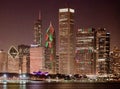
{"x":13,"y":52}
{"x":67,"y":10}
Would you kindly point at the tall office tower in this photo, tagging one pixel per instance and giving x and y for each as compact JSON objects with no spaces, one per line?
{"x":66,"y":41}
{"x":50,"y":49}
{"x":24,"y":58}
{"x":102,"y":51}
{"x":13,"y":60}
{"x":115,"y":60}
{"x":85,"y":46}
{"x":38,"y":31}
{"x":37,"y":59}
{"x":3,"y":61}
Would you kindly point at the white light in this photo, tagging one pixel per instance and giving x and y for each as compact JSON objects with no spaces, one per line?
{"x":4,"y":75}
{"x":63,"y":10}
{"x":108,"y":33}
{"x":24,"y":75}
{"x":34,"y":45}
{"x":72,"y":10}
{"x":91,"y":48}
{"x":67,"y":10}
{"x":20,"y":76}
{"x":101,"y":59}
{"x":63,"y":19}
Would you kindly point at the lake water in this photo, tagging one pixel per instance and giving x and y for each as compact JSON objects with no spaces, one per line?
{"x":56,"y":85}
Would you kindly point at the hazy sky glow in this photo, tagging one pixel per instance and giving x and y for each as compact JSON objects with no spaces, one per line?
{"x":18,"y":16}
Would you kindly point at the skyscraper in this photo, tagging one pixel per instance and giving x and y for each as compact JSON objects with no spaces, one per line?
{"x":24,"y":58}
{"x":66,"y":41}
{"x":38,"y":31}
{"x":85,"y":46}
{"x":50,"y":49}
{"x":37,"y":59}
{"x":115,"y":61}
{"x":102,"y":51}
{"x":13,"y":60}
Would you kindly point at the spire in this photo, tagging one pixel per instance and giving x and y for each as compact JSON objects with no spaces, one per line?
{"x":67,"y":5}
{"x":50,"y":24}
{"x":51,"y":28}
{"x":39,"y":17}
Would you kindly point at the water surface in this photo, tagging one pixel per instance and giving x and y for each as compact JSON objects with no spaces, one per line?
{"x":58,"y":85}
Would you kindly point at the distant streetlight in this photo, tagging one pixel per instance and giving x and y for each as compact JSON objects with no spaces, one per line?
{"x":5,"y":78}
{"x":5,"y":75}
{"x":20,"y":76}
{"x":24,"y":76}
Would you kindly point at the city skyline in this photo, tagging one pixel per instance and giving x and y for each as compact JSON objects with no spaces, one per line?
{"x":19,"y":17}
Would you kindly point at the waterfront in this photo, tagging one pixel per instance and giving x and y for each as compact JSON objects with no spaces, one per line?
{"x":61,"y":85}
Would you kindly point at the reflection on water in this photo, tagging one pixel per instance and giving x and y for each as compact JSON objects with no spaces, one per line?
{"x":61,"y":86}
{"x":13,"y":86}
{"x":4,"y":86}
{"x":22,"y":86}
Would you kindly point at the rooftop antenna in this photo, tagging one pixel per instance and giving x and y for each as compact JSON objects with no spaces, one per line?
{"x":67,"y":4}
{"x":39,"y":17}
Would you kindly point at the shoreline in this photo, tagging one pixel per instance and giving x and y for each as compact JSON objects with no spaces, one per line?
{"x":54,"y":81}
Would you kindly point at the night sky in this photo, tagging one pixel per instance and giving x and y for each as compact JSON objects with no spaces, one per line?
{"x":17,"y":18}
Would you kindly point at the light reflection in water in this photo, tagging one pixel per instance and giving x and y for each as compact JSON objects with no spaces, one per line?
{"x":22,"y":86}
{"x":5,"y":86}
{"x":60,"y":86}
{"x":14,"y":86}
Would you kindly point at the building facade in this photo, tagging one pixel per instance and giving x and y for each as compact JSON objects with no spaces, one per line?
{"x":85,"y":56}
{"x":38,"y":31}
{"x":66,"y":41}
{"x":3,"y":61}
{"x":37,"y":59}
{"x":115,"y":60}
{"x":57,"y":63}
{"x":13,"y":60}
{"x":50,"y":49}
{"x":102,"y":51}
{"x":24,"y":58}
